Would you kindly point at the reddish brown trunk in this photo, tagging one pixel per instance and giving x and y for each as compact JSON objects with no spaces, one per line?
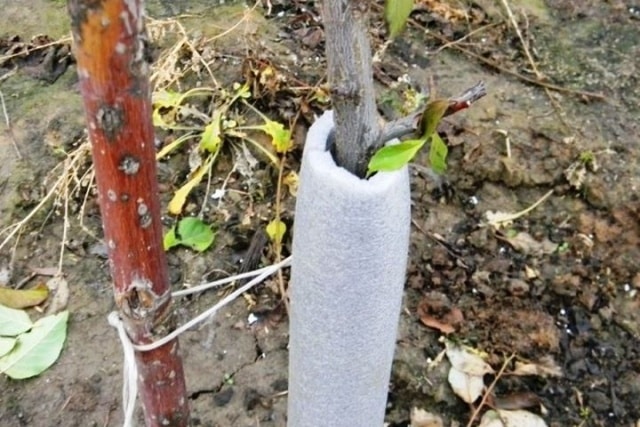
{"x":109,"y":47}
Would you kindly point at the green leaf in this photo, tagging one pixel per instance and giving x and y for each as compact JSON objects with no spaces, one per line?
{"x":37,"y":349}
{"x":396,"y":13}
{"x":280,"y":137}
{"x":438,"y":154}
{"x":13,"y":322}
{"x":393,"y":157}
{"x":432,"y":115}
{"x":170,"y":239}
{"x":193,"y":232}
{"x":211,"y":140}
{"x":276,"y":230}
{"x":6,"y":345}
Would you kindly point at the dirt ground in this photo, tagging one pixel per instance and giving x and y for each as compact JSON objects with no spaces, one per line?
{"x":557,"y":286}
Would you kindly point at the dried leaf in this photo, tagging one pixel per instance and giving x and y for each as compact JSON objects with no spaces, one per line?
{"x":22,"y":298}
{"x":499,"y":219}
{"x":291,"y":180}
{"x":503,"y":418}
{"x":60,"y":294}
{"x":432,"y":322}
{"x":467,"y":387}
{"x":546,"y":367}
{"x":525,"y":243}
{"x":422,"y":418}
{"x":466,"y":361}
{"x":517,"y":400}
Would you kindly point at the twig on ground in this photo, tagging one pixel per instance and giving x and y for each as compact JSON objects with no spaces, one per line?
{"x":9,"y":127}
{"x":463,"y":38}
{"x":30,"y":50}
{"x":495,"y":66}
{"x":489,"y":390}
{"x":539,"y":75}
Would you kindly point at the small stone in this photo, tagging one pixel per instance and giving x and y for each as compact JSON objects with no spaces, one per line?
{"x":518,"y":287}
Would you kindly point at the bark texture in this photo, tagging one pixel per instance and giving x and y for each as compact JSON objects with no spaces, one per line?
{"x":350,"y":73}
{"x":109,"y":45}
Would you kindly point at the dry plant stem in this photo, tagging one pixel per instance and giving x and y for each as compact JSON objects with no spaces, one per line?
{"x":538,"y":74}
{"x":489,"y":390}
{"x":537,"y":82}
{"x":114,"y":82}
{"x":351,"y":79}
{"x":278,"y":244}
{"x":65,"y":224}
{"x":7,"y":121}
{"x":62,"y":40}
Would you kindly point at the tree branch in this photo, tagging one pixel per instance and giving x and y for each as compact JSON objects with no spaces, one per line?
{"x":411,"y":123}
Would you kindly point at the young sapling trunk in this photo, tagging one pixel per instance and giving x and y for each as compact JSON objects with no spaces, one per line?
{"x":109,"y":45}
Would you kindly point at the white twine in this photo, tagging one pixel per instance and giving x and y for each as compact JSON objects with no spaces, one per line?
{"x":130,"y":371}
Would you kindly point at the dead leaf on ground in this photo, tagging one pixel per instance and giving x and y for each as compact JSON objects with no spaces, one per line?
{"x":503,"y":418}
{"x":422,"y":418}
{"x":545,"y":367}
{"x":23,"y":298}
{"x":466,"y":375}
{"x":523,"y":242}
{"x":516,"y":400}
{"x":436,"y":311}
{"x":60,"y":295}
{"x":45,"y":271}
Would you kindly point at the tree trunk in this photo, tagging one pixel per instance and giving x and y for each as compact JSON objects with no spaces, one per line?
{"x":351,"y":79}
{"x":109,"y":39}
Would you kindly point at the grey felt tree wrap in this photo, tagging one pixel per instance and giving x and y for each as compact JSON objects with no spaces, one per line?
{"x":350,"y":246}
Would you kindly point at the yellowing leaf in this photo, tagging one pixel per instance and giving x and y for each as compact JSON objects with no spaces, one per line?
{"x":166,"y":99}
{"x":438,"y":152}
{"x":180,"y":196}
{"x":158,"y":121}
{"x":291,"y":180}
{"x":393,"y":157}
{"x":432,"y":115}
{"x":280,"y":137}
{"x":211,"y":140}
{"x":173,"y":145}
{"x":276,"y":230}
{"x":22,"y":298}
{"x":396,"y":13}
{"x":242,"y":91}
{"x":37,"y":349}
